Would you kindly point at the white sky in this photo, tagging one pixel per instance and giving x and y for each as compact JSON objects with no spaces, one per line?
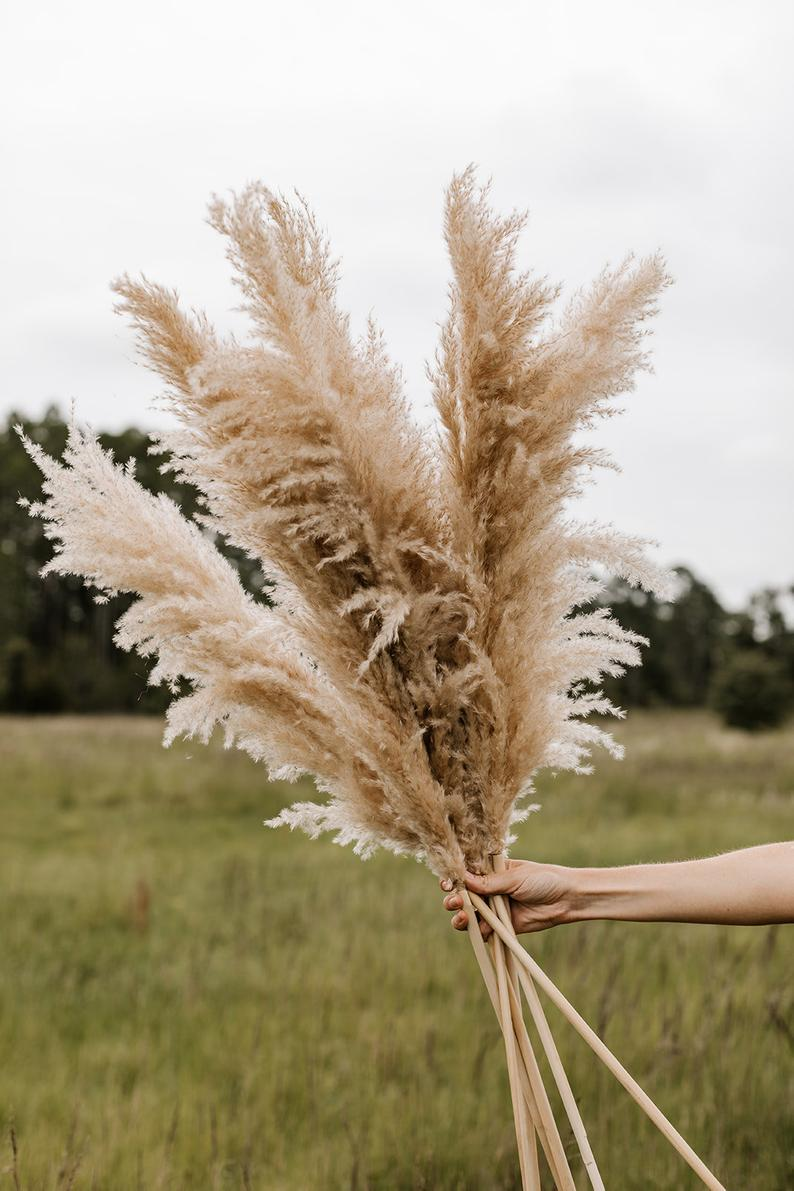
{"x":619,"y":125}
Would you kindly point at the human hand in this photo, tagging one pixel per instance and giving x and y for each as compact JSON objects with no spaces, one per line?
{"x":539,"y":895}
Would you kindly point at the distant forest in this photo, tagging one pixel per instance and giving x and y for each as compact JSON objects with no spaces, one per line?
{"x":56,"y":643}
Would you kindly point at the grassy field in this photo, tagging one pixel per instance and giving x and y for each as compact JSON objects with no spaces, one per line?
{"x":188,"y":1000}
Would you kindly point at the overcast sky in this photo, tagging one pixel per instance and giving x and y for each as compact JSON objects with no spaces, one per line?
{"x":619,"y":126}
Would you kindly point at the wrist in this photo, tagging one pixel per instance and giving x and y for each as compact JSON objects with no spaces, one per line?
{"x":601,"y":892}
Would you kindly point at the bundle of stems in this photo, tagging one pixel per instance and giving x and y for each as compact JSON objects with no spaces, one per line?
{"x":508,"y":970}
{"x":435,"y":636}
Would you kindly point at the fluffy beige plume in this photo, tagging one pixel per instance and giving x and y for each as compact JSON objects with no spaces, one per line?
{"x":309,"y":460}
{"x":432,"y":645}
{"x":511,"y":396}
{"x":241,"y":658}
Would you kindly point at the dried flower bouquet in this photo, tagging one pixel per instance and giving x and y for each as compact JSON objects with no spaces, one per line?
{"x":435,"y":638}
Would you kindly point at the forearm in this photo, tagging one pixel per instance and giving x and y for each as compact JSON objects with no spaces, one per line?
{"x":750,"y":887}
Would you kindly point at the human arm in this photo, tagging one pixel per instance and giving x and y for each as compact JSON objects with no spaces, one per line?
{"x":747,"y":887}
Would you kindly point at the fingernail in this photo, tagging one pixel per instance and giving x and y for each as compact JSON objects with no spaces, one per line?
{"x":446,"y":884}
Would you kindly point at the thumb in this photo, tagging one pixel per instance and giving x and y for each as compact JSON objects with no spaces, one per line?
{"x":491,"y":882}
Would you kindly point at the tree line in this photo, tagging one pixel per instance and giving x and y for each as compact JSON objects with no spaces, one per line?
{"x":56,"y":642}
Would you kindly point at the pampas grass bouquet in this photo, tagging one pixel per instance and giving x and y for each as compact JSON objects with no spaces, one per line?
{"x":435,"y":637}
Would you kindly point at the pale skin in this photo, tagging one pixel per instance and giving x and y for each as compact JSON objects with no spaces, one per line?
{"x":753,"y":886}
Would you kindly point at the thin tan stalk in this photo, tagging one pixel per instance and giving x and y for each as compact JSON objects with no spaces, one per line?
{"x":530,"y":1174}
{"x":486,"y":968}
{"x":544,"y":1118}
{"x":600,"y":1048}
{"x":558,"y":1161}
{"x":552,"y":1054}
{"x":554,"y":1150}
{"x":532,"y":1084}
{"x":561,"y":1079}
{"x":481,"y":951}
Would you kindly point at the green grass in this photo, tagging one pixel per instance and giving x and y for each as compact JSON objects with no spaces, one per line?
{"x":188,"y":1000}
